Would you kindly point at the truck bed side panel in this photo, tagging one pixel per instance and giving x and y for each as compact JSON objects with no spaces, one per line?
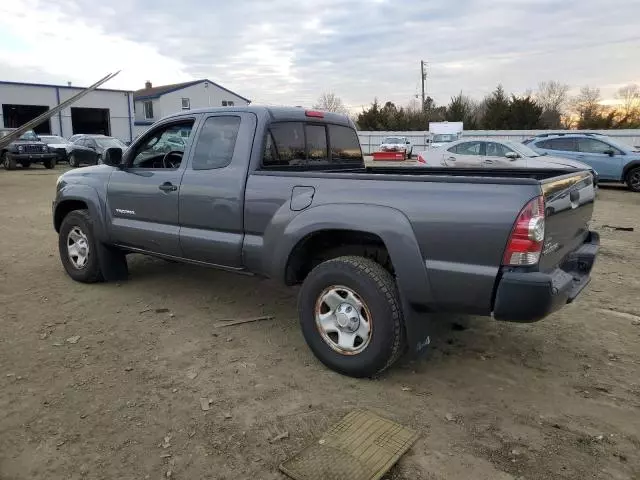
{"x":461,"y":239}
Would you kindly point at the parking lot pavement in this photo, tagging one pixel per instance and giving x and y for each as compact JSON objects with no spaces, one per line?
{"x":109,"y":381}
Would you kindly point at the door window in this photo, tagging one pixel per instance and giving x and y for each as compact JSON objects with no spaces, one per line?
{"x":591,"y":145}
{"x":497,"y":149}
{"x":163,"y":147}
{"x":467,"y":148}
{"x":216,"y":142}
{"x":561,"y":144}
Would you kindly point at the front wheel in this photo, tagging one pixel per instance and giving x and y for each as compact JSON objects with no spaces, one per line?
{"x":78,"y":248}
{"x":49,"y":164}
{"x":351,"y":317}
{"x":633,"y":180}
{"x":8,"y":162}
{"x":25,"y":164}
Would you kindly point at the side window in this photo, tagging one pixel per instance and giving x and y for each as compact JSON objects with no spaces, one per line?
{"x":469,"y":148}
{"x":562,"y":144}
{"x":216,"y":143}
{"x":345,"y":145}
{"x":454,"y":149}
{"x":152,"y":151}
{"x":496,"y":149}
{"x":546,"y":144}
{"x":591,"y":145}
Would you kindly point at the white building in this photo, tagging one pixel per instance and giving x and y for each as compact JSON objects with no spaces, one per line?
{"x":105,"y":111}
{"x":153,"y":103}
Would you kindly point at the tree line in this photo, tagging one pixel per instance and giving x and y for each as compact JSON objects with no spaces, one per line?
{"x":549,"y":107}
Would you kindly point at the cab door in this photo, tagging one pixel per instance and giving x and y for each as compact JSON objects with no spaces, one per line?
{"x":143,"y":195}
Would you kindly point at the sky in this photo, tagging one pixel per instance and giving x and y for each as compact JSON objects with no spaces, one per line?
{"x":289,"y":52}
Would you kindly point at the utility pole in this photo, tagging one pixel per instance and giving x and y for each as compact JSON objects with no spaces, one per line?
{"x":423,"y":78}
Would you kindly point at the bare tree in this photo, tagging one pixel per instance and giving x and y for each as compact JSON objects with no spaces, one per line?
{"x":552,"y":96}
{"x":629,"y":97}
{"x":330,"y":102}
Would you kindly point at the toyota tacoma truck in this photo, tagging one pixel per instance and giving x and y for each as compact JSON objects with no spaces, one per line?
{"x":26,"y":150}
{"x":284,"y":193}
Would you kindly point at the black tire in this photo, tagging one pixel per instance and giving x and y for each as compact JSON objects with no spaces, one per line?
{"x":410,"y":154}
{"x":73,"y":161}
{"x":633,"y":179}
{"x":91,"y":272}
{"x":8,"y":162}
{"x":49,"y":164}
{"x":25,"y":164}
{"x":376,"y":288}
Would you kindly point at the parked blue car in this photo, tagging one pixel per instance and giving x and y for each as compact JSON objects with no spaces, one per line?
{"x":613,"y":161}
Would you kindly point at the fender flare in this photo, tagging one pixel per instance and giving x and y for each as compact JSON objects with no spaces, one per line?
{"x":395,"y":230}
{"x":90,"y":197}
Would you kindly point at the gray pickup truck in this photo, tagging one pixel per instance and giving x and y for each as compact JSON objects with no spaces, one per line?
{"x":284,"y":193}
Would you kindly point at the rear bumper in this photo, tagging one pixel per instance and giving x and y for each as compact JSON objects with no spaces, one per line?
{"x":531,"y":296}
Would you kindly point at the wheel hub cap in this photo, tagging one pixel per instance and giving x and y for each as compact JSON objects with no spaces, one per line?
{"x":343,"y":320}
{"x":77,"y":248}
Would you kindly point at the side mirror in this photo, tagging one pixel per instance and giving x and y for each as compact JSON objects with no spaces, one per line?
{"x":112,"y":157}
{"x":610,"y":152}
{"x":512,"y":155}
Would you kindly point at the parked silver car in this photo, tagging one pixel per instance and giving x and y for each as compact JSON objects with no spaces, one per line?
{"x":482,"y":153}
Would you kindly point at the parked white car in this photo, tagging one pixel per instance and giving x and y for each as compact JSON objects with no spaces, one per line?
{"x":397,"y":144}
{"x":482,"y":153}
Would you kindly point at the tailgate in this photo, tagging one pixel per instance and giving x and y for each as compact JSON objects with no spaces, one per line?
{"x":568,"y":209}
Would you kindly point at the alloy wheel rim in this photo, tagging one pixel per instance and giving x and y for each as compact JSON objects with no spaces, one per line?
{"x":78,"y":248}
{"x":343,"y":320}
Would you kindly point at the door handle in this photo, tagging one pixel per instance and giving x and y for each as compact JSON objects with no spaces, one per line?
{"x":168,"y":187}
{"x":452,"y":159}
{"x":488,"y":161}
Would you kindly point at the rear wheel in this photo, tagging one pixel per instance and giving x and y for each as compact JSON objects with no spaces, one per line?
{"x":49,"y":163}
{"x":78,"y":248}
{"x":73,"y":161}
{"x":633,"y":180}
{"x":351,"y":317}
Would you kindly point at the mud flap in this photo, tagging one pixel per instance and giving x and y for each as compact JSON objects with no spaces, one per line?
{"x":113,"y":263}
{"x":418,"y":328}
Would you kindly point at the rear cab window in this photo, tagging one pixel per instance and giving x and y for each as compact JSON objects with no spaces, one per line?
{"x":295,"y":145}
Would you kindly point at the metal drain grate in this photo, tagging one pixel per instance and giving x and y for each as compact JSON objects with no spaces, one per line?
{"x":362,"y":446}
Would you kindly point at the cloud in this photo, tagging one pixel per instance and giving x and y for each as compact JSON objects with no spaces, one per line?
{"x":289,"y":52}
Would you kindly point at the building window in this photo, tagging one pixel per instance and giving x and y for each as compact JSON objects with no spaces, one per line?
{"x":148,"y":109}
{"x":186,"y":104}
{"x":227,"y":103}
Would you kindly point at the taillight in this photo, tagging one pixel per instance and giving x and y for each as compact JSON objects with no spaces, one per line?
{"x":525,"y":242}
{"x":421,"y":159}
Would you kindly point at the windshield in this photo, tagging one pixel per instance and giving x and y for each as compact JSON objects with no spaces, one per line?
{"x":110,"y":142}
{"x":625,"y":147}
{"x":443,"y":138}
{"x":53,"y":139}
{"x":30,"y":135}
{"x":393,"y":140}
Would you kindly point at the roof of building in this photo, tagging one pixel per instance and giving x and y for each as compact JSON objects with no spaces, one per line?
{"x":155,"y":92}
{"x":72,"y":87}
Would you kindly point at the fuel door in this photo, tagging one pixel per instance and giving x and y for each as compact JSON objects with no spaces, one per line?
{"x":301,"y":197}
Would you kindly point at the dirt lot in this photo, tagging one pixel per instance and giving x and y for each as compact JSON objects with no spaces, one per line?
{"x":105,"y":381}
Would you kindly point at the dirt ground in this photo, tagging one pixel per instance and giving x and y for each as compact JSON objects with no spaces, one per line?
{"x":105,"y":381}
